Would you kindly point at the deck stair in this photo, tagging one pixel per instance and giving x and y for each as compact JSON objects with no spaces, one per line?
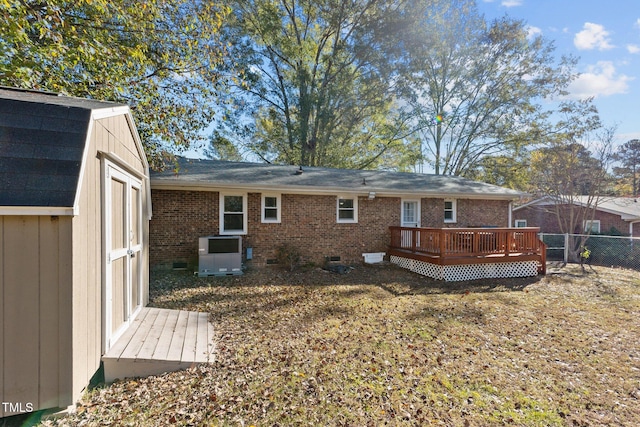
{"x":158,"y":341}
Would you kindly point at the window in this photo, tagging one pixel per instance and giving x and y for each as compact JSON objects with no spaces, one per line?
{"x":521,"y":223}
{"x":592,"y":226}
{"x":233,"y":214}
{"x":449,"y":211}
{"x":347,"y":209}
{"x":271,"y":208}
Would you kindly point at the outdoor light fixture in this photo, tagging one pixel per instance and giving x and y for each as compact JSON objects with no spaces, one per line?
{"x":372,"y":195}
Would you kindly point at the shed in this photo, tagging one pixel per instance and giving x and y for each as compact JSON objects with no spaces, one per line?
{"x":74,"y":225}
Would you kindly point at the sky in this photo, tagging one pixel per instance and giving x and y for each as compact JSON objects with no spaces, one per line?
{"x":604,"y":35}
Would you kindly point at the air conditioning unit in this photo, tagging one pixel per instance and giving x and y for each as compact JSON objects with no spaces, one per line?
{"x":219,"y":256}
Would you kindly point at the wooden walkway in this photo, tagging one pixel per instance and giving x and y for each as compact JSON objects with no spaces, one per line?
{"x":159,"y":341}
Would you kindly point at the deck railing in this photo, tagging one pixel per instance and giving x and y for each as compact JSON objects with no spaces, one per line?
{"x":467,"y":242}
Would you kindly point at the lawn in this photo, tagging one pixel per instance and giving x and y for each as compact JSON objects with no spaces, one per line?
{"x":383,"y":346}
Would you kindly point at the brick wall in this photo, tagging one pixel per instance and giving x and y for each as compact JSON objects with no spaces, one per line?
{"x":308,"y":223}
{"x":545,"y":218}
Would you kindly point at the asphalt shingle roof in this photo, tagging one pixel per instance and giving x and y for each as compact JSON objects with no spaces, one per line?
{"x":261,"y":176}
{"x":42,"y":139}
{"x":627,"y":207}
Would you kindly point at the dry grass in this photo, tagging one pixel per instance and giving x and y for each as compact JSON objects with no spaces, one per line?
{"x":382,"y":346}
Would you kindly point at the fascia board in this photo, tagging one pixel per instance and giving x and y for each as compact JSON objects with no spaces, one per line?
{"x":543,"y":201}
{"x":37,"y":211}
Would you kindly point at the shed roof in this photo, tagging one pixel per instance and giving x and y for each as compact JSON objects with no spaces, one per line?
{"x":209,"y":174}
{"x":42,"y":143}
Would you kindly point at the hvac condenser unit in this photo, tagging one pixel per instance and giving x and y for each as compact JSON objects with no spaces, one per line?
{"x":219,"y":256}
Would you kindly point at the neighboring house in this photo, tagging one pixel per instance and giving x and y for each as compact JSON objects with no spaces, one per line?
{"x":612,"y":215}
{"x":319,"y":212}
{"x":74,"y":214}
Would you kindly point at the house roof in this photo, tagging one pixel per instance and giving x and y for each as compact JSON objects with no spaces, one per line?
{"x":201,"y":174}
{"x":42,"y":143}
{"x":627,"y":207}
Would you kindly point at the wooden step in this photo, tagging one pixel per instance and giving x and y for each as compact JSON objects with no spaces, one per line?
{"x":158,"y":341}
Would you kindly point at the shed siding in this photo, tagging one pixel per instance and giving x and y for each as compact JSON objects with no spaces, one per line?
{"x":114,"y":135}
{"x":87,"y":277}
{"x":31,"y":320}
{"x":2,"y":322}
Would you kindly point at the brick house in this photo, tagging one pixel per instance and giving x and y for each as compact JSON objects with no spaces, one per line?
{"x":612,"y":215}
{"x":321,"y":212}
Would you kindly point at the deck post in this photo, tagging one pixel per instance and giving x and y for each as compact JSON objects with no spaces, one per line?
{"x":414,"y":239}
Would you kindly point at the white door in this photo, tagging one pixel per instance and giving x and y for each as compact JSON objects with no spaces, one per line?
{"x":410,"y":213}
{"x":410,"y":217}
{"x":123,"y":250}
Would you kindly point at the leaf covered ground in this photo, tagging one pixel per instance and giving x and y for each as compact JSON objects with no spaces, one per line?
{"x":383,"y":346}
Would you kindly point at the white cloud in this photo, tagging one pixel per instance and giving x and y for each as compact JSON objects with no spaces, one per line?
{"x":533,"y":31}
{"x":511,"y":3}
{"x":599,"y":80}
{"x":593,"y":36}
{"x":633,"y":48}
{"x":638,"y":23}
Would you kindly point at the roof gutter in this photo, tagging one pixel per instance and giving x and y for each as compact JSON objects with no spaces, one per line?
{"x":365,"y":190}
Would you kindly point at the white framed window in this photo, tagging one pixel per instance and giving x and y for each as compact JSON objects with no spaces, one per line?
{"x":450,"y":213}
{"x":271,"y":207}
{"x":233,"y":213}
{"x":347,"y":209}
{"x":592,"y":226}
{"x":521,"y":223}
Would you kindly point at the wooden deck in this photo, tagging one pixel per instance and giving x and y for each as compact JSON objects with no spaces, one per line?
{"x":441,"y":250}
{"x":159,"y":341}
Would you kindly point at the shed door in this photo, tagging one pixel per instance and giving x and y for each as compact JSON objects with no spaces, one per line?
{"x":123,"y":236}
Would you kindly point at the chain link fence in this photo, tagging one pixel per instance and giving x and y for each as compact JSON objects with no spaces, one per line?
{"x":609,"y":251}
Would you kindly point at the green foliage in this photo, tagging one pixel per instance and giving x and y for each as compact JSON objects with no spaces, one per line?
{"x":222,"y":148}
{"x":316,"y":82}
{"x":629,"y":170}
{"x":159,"y":57}
{"x":474,"y":88}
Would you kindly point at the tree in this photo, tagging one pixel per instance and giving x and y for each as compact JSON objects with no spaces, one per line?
{"x":514,"y":169}
{"x":221,"y":148}
{"x":159,"y":57}
{"x":472,"y":88}
{"x":574,"y":175}
{"x":317,"y":81}
{"x":629,"y":170}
